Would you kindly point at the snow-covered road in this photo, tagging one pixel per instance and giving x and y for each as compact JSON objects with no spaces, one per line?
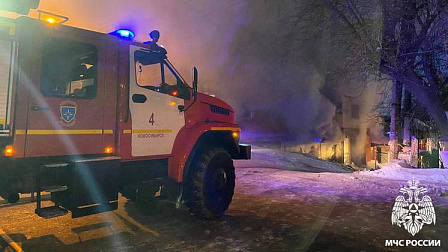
{"x":283,"y":202}
{"x":331,"y":207}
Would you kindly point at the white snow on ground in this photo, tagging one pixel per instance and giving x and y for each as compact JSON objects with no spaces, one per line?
{"x":270,"y":158}
{"x":394,"y":171}
{"x":444,"y":155}
{"x":281,"y":175}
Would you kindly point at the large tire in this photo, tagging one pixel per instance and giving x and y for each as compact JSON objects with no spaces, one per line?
{"x":213,"y":183}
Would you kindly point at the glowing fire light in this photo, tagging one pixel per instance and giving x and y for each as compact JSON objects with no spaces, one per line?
{"x":50,"y":20}
{"x":9,"y":151}
{"x":174,"y":93}
{"x":235,"y":134}
{"x":108,"y":150}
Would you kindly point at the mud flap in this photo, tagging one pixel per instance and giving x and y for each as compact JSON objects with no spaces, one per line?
{"x":244,"y":152}
{"x":92,"y":186}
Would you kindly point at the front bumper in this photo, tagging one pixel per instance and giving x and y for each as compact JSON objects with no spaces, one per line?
{"x":245,"y":152}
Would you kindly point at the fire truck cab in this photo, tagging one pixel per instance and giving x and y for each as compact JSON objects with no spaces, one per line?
{"x":86,"y":115}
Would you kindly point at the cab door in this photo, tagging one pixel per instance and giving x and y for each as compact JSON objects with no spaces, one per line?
{"x":156,"y":91}
{"x":65,"y":79}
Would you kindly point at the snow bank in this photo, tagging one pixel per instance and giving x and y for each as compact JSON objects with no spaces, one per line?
{"x":394,"y":171}
{"x":444,"y":156}
{"x":270,"y":158}
{"x":284,"y":176}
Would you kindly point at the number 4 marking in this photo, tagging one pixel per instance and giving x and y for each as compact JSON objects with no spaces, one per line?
{"x":151,"y":119}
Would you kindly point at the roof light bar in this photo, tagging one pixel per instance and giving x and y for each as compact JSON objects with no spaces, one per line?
{"x":123,"y":33}
{"x":52,"y":18}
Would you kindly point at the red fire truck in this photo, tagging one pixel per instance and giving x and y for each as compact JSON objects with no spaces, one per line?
{"x":86,"y":115}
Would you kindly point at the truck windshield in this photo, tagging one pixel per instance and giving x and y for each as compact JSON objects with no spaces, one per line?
{"x":6,"y":49}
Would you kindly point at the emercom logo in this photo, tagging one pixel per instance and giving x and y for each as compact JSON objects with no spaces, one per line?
{"x":413,"y":209}
{"x":413,"y":243}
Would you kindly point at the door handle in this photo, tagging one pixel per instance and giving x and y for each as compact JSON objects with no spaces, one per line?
{"x":37,"y":108}
{"x":139,"y":98}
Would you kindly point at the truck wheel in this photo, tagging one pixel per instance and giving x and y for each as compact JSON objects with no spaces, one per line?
{"x":129,"y":192}
{"x":213,"y":183}
{"x":13,"y":198}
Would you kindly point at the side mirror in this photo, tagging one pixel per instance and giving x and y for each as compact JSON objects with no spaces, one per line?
{"x":195,"y":83}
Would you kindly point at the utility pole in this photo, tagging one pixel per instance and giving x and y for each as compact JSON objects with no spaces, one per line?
{"x":394,"y":120}
{"x":407,"y":103}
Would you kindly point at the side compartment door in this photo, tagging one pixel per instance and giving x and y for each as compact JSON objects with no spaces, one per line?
{"x":66,"y":105}
{"x":7,"y":53}
{"x":155,"y":94}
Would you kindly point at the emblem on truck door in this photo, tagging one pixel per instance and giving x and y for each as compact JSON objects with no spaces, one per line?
{"x":68,"y":112}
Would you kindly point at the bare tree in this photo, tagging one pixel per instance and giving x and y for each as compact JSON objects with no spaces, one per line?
{"x":414,"y":51}
{"x":354,"y":29}
{"x":414,"y":47}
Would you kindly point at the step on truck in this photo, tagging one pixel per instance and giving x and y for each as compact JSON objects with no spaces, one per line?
{"x":85,"y":116}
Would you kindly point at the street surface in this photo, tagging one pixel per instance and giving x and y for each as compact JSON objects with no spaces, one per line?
{"x":282,"y":202}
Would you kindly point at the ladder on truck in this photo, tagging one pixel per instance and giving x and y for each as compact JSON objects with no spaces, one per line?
{"x":83,"y":186}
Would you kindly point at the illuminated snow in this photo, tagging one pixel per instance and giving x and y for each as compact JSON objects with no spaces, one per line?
{"x":282,"y":175}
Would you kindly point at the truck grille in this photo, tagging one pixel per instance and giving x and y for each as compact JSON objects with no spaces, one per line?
{"x":219,"y":110}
